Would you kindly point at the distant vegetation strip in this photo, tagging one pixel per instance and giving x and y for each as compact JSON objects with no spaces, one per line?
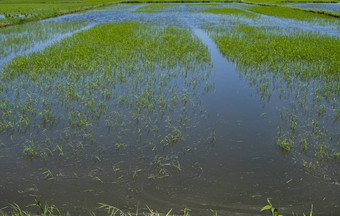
{"x":272,"y":2}
{"x":290,"y":12}
{"x":228,"y":11}
{"x":48,"y":13}
{"x":299,"y":1}
{"x":153,"y":8}
{"x":252,"y":2}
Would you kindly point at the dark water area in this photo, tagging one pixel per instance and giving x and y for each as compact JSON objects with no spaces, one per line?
{"x":228,"y":161}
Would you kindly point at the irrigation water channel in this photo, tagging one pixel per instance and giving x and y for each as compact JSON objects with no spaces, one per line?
{"x":233,"y":175}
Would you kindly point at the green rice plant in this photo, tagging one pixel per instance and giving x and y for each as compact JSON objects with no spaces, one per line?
{"x":14,"y":209}
{"x":111,"y":210}
{"x":286,"y":144}
{"x":45,"y":210}
{"x":275,"y":212}
{"x":270,"y":207}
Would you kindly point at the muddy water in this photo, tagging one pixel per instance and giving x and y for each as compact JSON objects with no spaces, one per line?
{"x":233,"y":175}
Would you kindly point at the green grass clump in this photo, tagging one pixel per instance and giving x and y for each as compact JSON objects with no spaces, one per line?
{"x":290,"y":13}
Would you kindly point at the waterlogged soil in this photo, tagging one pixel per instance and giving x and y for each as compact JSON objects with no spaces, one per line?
{"x":223,"y":156}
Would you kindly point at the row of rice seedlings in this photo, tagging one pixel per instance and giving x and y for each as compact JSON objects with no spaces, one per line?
{"x":301,"y":68}
{"x":128,"y":91}
{"x":229,"y":11}
{"x":201,"y":7}
{"x":15,"y":40}
{"x":157,"y":8}
{"x":102,"y":209}
{"x":281,"y":52}
{"x":47,"y":209}
{"x":292,"y":13}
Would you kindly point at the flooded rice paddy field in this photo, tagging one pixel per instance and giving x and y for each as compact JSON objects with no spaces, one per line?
{"x":207,"y":107}
{"x":323,"y":6}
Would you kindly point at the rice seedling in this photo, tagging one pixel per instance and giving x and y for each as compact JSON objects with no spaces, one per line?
{"x":275,"y":212}
{"x":44,"y":209}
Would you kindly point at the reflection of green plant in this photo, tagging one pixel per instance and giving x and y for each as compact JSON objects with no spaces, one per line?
{"x":48,"y":175}
{"x":275,"y":212}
